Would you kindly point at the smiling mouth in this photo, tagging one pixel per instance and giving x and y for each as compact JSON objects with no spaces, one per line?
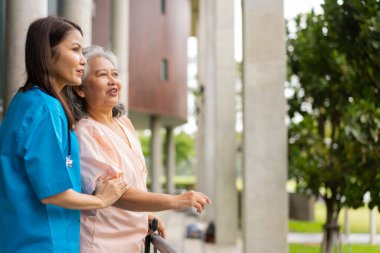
{"x":113,"y":91}
{"x":80,"y":73}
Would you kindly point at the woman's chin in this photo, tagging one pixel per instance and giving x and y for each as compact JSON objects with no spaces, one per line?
{"x":75,"y":82}
{"x":113,"y":103}
{"x":115,"y":99}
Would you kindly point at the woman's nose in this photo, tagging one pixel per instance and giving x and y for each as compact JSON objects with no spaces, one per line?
{"x":82,"y":60}
{"x":113,"y":80}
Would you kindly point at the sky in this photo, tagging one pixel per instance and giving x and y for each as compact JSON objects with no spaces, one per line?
{"x":291,"y":9}
{"x":294,"y":7}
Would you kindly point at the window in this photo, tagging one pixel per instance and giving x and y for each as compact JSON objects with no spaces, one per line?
{"x":164,"y":70}
{"x":163,"y":6}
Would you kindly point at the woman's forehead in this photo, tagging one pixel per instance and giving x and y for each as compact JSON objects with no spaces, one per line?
{"x":73,"y":37}
{"x":100,"y":62}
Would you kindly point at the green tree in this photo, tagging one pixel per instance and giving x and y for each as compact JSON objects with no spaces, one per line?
{"x":184,"y":147}
{"x":334,"y":71}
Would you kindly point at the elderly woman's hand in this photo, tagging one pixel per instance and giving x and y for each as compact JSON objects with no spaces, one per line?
{"x":195,"y":199}
{"x":109,"y":190}
{"x":160,"y":227}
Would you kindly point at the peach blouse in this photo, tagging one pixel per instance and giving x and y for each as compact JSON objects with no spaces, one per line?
{"x":101,"y":151}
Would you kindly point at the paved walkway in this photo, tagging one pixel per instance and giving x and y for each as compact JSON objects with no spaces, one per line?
{"x":316,"y":238}
{"x":176,"y":224}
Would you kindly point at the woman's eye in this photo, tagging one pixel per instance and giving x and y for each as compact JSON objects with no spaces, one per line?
{"x":115,"y":74}
{"x":76,"y":49}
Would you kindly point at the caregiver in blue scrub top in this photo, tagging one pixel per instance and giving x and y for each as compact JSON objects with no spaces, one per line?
{"x":40,"y":180}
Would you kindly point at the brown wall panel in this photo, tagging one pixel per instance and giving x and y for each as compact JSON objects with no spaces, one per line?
{"x":101,"y":23}
{"x":153,"y":37}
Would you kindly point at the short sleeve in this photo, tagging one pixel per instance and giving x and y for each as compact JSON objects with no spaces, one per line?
{"x":97,"y":157}
{"x":44,"y":154}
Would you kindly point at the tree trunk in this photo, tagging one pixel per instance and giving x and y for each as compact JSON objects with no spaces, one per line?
{"x":331,"y":241}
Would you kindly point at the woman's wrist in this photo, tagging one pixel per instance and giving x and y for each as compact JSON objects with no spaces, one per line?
{"x":100,"y":203}
{"x":175,"y":202}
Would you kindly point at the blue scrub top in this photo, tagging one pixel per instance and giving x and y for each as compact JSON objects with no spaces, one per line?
{"x":33,"y":150}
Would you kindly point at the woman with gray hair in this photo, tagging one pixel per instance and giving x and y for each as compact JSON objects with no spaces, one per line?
{"x":109,"y":146}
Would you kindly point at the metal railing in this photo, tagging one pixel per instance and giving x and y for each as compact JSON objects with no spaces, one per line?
{"x":159,"y":244}
{"x":157,"y":241}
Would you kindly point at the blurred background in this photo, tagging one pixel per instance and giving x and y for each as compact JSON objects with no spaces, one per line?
{"x":270,"y":107}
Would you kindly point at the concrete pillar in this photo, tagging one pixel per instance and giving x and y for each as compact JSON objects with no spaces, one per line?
{"x":372,"y":226}
{"x":206,"y":121}
{"x":202,"y":180}
{"x":120,"y":42}
{"x":79,"y":12}
{"x":170,"y":160}
{"x":265,"y":202}
{"x":53,"y":8}
{"x":20,"y":14}
{"x":225,"y":202}
{"x":201,"y":183}
{"x":156,"y":153}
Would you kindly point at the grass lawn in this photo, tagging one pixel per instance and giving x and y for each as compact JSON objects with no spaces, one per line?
{"x":357,"y":248}
{"x":358,"y":219}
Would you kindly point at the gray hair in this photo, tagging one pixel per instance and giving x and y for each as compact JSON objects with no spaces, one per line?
{"x":77,"y":103}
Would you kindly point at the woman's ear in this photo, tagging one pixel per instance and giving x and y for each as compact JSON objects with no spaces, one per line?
{"x":79,"y":91}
